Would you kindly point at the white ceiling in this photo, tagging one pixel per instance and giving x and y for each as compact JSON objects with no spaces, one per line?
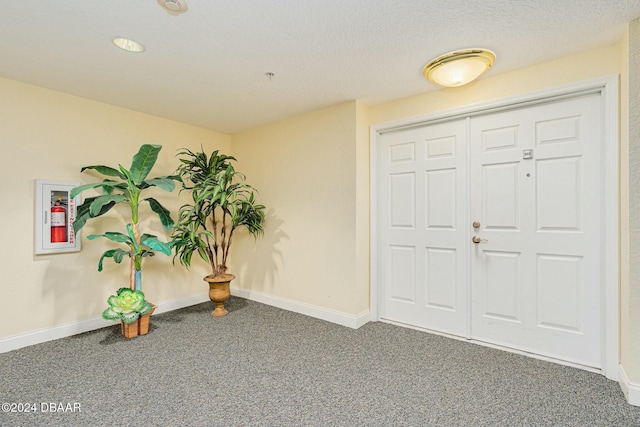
{"x":207,"y":67}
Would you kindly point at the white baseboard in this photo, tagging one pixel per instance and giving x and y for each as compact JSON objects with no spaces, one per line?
{"x":631,"y":391}
{"x":72,"y":328}
{"x":175,"y":304}
{"x":338,"y":317}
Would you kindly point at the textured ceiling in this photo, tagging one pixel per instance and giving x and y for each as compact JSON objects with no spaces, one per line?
{"x":207,"y":67}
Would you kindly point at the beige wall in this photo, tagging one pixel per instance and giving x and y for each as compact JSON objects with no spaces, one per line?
{"x":50,"y":135}
{"x":594,"y":63}
{"x":624,"y":200}
{"x":630,"y":289}
{"x":314,"y":250}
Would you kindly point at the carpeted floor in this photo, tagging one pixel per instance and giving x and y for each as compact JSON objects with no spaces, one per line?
{"x":262,"y":366}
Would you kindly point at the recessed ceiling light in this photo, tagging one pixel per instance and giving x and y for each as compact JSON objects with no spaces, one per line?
{"x":458,"y":68}
{"x":128,"y":44}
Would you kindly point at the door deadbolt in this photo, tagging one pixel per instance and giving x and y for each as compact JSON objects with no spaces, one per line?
{"x":476,"y":224}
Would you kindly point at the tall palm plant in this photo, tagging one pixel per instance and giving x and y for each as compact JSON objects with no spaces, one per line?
{"x":125,"y":186}
{"x":221,"y":202}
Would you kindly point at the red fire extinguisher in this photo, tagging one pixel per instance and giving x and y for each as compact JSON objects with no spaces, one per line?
{"x":58,"y":222}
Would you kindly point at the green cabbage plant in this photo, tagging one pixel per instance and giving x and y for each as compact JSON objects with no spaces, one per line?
{"x":128,"y":305}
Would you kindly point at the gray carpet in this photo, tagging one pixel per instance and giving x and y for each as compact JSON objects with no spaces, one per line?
{"x":262,"y":366}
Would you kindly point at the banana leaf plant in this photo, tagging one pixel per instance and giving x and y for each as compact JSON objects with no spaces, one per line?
{"x":125,"y":186}
{"x":221,"y":203}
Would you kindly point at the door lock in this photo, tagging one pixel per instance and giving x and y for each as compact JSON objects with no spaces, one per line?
{"x":478,"y":240}
{"x":476,"y":224}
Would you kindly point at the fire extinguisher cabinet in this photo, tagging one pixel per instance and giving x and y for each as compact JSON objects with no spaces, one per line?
{"x":55,"y":213}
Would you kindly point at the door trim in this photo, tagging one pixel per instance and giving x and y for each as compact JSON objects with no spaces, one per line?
{"x":607,"y":87}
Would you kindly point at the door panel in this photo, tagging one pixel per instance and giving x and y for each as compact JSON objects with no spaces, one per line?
{"x":440,"y":273}
{"x":535,"y":282}
{"x":423,"y":212}
{"x":501,"y":193}
{"x":403,"y":281}
{"x":558,"y":193}
{"x":559,"y":280}
{"x":402,"y":190}
{"x":501,"y":286}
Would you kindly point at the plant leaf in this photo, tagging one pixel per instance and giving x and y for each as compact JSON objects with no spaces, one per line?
{"x":155,"y":244}
{"x":113,"y":236}
{"x":163,"y":213}
{"x":116,"y":254}
{"x":109,"y":314}
{"x":77,"y":190}
{"x":143,"y":162}
{"x":147,"y":308}
{"x":130,"y":317}
{"x":103,"y":204}
{"x":167,"y":184}
{"x":82,"y":214}
{"x":119,"y":255}
{"x":132,"y":235}
{"x":104,"y":170}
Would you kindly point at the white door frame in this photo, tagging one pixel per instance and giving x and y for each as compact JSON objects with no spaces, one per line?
{"x":607,"y":87}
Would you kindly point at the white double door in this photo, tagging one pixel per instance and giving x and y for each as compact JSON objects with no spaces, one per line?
{"x":489,"y":228}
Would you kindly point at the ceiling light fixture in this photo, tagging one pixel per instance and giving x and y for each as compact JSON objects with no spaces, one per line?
{"x":174,"y":7}
{"x":128,"y":44}
{"x":460,"y":67}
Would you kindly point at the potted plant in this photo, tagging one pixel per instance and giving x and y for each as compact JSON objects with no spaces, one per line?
{"x":130,"y":307}
{"x":221,"y":203}
{"x":125,"y":186}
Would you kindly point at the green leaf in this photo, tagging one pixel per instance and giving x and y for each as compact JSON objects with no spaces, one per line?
{"x":202,"y":254}
{"x":109,"y":314}
{"x":77,"y":190}
{"x":82,"y":214}
{"x":155,"y":244}
{"x":163,"y":213}
{"x":103,"y":204}
{"x":132,"y":235}
{"x":126,"y":174}
{"x":147,"y":308}
{"x":143,"y":162}
{"x":116,"y":254}
{"x":113,"y":236}
{"x":104,"y":170}
{"x":165,"y":183}
{"x":130,"y":317}
{"x":121,"y":186}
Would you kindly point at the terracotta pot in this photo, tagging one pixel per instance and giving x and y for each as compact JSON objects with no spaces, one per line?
{"x":219,"y":292}
{"x":139,"y":327}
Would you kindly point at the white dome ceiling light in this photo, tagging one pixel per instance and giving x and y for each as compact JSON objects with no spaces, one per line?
{"x":174,"y":7}
{"x":458,"y":68}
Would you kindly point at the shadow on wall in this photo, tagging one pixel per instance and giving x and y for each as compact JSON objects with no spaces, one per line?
{"x":258,"y":262}
{"x":65,"y":287}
